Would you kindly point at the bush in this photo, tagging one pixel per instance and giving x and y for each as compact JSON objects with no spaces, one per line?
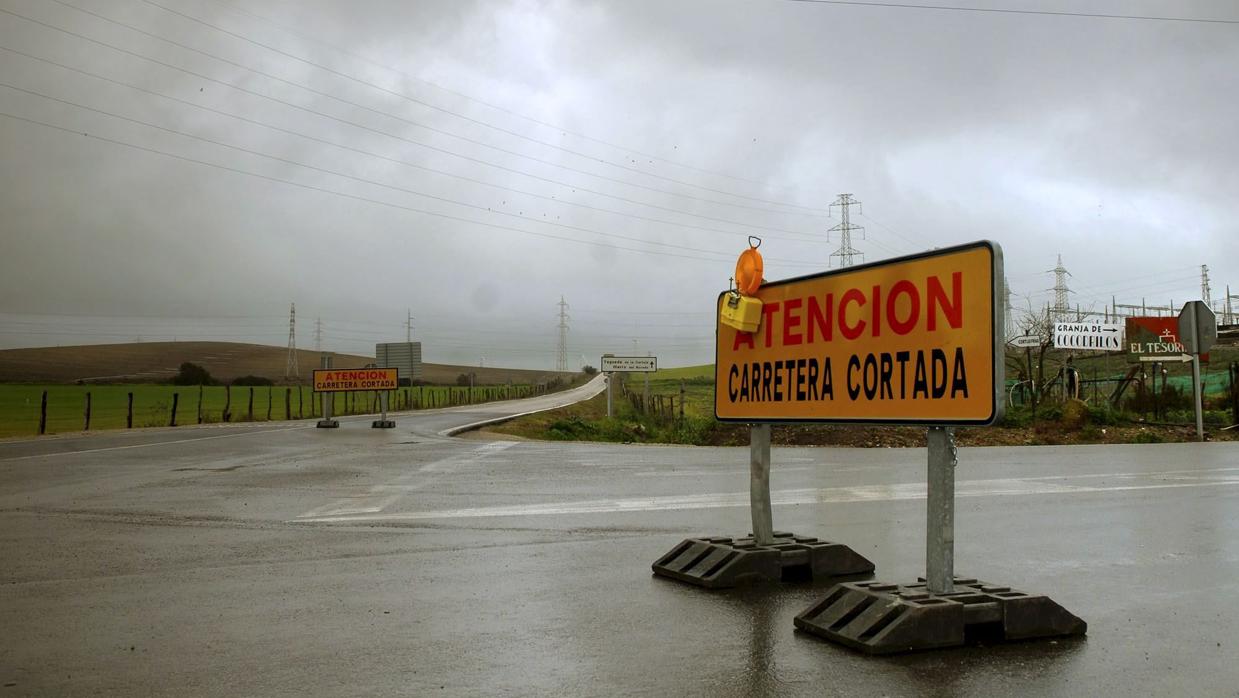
{"x":1148,"y":437}
{"x":588,"y":370}
{"x":1103,"y":414}
{"x":193,"y":374}
{"x":1051,"y":412}
{"x":252,"y":380}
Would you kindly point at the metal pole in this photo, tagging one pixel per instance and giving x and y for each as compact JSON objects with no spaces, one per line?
{"x":1195,"y":339}
{"x":383,"y":404}
{"x":610,"y":376}
{"x":1200,"y":425}
{"x":759,"y":484}
{"x":940,"y":508}
{"x":327,"y":404}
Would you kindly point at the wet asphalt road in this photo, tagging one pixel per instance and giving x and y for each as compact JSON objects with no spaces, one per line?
{"x":285,"y":560}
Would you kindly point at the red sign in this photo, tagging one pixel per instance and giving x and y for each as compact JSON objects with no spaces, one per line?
{"x":1151,"y":338}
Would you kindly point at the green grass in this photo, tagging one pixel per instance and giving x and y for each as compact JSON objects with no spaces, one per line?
{"x":686,"y":372}
{"x":152,"y":404}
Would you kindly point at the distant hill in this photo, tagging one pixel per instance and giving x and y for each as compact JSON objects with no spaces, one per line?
{"x":157,"y":362}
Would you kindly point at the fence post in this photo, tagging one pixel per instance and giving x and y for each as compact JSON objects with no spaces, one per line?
{"x":249,"y":414}
{"x":288,"y":403}
{"x":129,"y":413}
{"x":43,"y":415}
{"x":269,"y":389}
{"x":681,"y":399}
{"x":227,"y":403}
{"x":300,"y":403}
{"x":87,"y":427}
{"x":176,"y":397}
{"x":200,"y":389}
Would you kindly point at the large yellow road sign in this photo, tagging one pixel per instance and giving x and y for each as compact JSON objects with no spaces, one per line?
{"x":334,"y":380}
{"x":913,"y":340}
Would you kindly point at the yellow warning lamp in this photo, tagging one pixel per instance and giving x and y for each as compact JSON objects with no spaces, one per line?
{"x":741,"y":310}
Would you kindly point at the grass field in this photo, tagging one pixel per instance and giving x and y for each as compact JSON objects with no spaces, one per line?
{"x":152,"y":404}
{"x":588,"y":421}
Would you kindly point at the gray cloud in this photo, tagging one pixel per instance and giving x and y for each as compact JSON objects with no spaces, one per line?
{"x":1108,"y":141}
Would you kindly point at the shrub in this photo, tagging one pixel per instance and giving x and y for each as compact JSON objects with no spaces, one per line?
{"x":193,"y":374}
{"x":588,"y":370}
{"x":1103,"y":414}
{"x":252,"y":380}
{"x":1148,"y":437}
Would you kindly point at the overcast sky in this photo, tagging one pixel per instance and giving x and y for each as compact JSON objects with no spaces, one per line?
{"x":188,"y":168}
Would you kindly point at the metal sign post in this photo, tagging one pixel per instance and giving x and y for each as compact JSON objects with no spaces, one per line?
{"x":939,"y":610}
{"x":328,"y":399}
{"x":1200,"y":424}
{"x":759,"y":484}
{"x":940,"y":512}
{"x":1198,"y":331}
{"x":610,"y":377}
{"x":383,"y":422}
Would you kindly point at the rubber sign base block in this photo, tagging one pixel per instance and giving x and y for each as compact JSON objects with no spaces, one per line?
{"x":720,"y":563}
{"x":382,"y":424}
{"x":879,"y":618}
{"x":327,"y":424}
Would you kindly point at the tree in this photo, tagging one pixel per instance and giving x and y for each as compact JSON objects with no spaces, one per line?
{"x":193,"y":374}
{"x":588,"y":370}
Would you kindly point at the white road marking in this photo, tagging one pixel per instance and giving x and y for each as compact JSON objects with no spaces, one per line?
{"x":707,"y":472}
{"x":379,"y":497}
{"x":154,"y":443}
{"x":830,"y":495}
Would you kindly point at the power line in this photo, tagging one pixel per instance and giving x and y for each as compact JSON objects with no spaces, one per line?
{"x":354,"y":197}
{"x":534,"y":120}
{"x":406,"y":163}
{"x":573,"y":187}
{"x":458,"y":115}
{"x":1012,"y":11}
{"x":375,"y":183}
{"x":379,"y":112}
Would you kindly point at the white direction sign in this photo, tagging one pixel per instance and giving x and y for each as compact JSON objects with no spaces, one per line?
{"x":1095,"y":336}
{"x":1169,"y":358}
{"x":629,"y":364}
{"x":1025,"y":341}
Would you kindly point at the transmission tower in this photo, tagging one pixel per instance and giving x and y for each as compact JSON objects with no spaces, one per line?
{"x":290,"y":366}
{"x":408,"y":326}
{"x":318,"y":335}
{"x":1206,"y":293}
{"x":1060,"y":290}
{"x":846,"y":253}
{"x":561,"y":352}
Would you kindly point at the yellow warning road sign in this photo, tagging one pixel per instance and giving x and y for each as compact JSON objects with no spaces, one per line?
{"x":913,"y":340}
{"x":335,"y":380}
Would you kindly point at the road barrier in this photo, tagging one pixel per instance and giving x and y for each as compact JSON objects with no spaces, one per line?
{"x":914,"y":340}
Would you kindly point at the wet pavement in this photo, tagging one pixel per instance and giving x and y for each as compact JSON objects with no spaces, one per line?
{"x":281,"y":560}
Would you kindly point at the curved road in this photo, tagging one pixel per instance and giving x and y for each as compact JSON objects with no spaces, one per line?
{"x":280,"y":559}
